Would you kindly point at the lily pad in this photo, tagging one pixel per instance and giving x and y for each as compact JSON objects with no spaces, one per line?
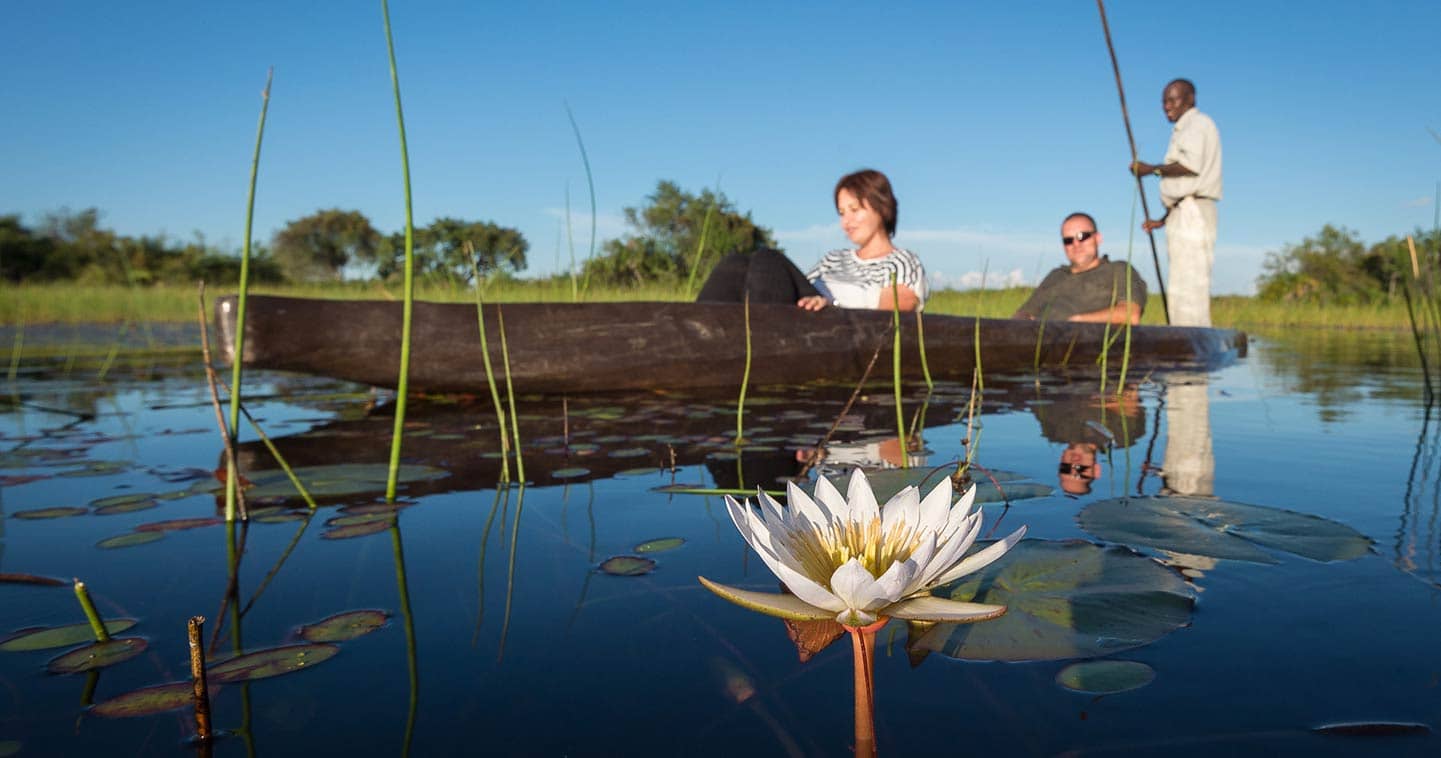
{"x":639,"y":471}
{"x":263,"y":664}
{"x":660,"y":545}
{"x":129,"y":540}
{"x":118,"y":500}
{"x":1373,"y":729}
{"x":569,"y":473}
{"x":627,"y":565}
{"x":1105,"y":677}
{"x":44,"y":638}
{"x":357,"y":530}
{"x":337,"y":480}
{"x":344,"y":626}
{"x":178,"y":524}
{"x":1068,"y":599}
{"x":64,"y":511}
{"x":97,"y":655}
{"x":629,"y":452}
{"x":279,"y":517}
{"x":127,"y":507}
{"x":148,"y":701}
{"x":9,"y":748}
{"x":362,"y":518}
{"x":988,"y":492}
{"x":1221,"y":529}
{"x":36,"y":579}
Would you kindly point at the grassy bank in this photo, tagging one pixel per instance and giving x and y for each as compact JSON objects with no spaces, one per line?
{"x":73,"y":304}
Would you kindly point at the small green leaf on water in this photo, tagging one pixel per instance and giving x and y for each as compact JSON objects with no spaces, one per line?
{"x":357,"y":530}
{"x":337,"y":480}
{"x":97,"y":655}
{"x":127,"y":507}
{"x":178,"y":524}
{"x":361,"y":518}
{"x":1372,"y":729}
{"x":641,"y":471}
{"x":344,"y":626}
{"x":44,"y":638}
{"x":133,"y":497}
{"x":279,"y":517}
{"x":9,"y":748}
{"x":660,"y":545}
{"x":129,"y":540}
{"x":149,"y":701}
{"x":97,"y":468}
{"x":263,"y":664}
{"x":627,"y":565}
{"x":1105,"y":677}
{"x":629,"y":452}
{"x":64,"y":511}
{"x":569,"y":473}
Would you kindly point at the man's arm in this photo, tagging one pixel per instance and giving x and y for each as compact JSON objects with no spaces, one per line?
{"x":1172,"y":169}
{"x":1120,"y":313}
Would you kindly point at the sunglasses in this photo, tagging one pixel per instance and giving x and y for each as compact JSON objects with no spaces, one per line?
{"x":1080,"y":237}
{"x":1076,"y":469}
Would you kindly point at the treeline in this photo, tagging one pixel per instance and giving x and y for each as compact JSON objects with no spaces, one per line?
{"x":1335,"y":267}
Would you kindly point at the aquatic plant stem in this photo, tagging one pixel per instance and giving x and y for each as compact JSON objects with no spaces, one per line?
{"x":411,"y":660}
{"x":200,"y":692}
{"x":275,"y":453}
{"x":93,"y":616}
{"x":490,"y":371}
{"x":745,"y":375}
{"x":510,"y":570}
{"x":233,"y":496}
{"x":510,"y":398}
{"x":896,"y":370}
{"x":700,"y":247}
{"x":590,"y":183}
{"x":921,"y":342}
{"x":17,"y":346}
{"x":855,"y":393}
{"x":232,"y":430}
{"x":402,"y":387}
{"x":863,"y":658}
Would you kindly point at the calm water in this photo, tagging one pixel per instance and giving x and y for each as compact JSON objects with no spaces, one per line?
{"x":511,"y":641}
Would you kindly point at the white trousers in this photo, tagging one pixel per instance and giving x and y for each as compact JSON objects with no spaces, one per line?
{"x":1190,"y":252}
{"x":1189,"y":467}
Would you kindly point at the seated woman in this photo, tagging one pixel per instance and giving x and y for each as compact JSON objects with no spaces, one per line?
{"x":859,"y":277}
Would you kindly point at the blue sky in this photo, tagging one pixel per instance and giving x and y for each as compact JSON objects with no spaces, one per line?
{"x":993,"y":120}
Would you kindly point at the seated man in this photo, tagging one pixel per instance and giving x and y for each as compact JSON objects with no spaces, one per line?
{"x":1091,"y":288}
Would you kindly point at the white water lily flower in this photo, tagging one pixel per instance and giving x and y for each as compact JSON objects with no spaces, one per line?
{"x":849,"y":559}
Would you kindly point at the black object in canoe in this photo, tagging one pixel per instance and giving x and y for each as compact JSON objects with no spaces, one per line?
{"x":597,"y":347}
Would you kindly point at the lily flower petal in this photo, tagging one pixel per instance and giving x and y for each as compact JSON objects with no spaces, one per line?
{"x":855,"y":586}
{"x":902,"y":509}
{"x":830,"y":500}
{"x":806,"y":510}
{"x":769,"y":603}
{"x":935,"y":507}
{"x":931,"y":608}
{"x":983,"y":558}
{"x":860,"y":499}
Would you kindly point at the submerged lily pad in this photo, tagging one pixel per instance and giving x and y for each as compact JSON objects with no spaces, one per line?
{"x":1105,"y":677}
{"x":178,"y":524}
{"x":263,"y":664}
{"x":1221,"y":529}
{"x":627,"y":565}
{"x":660,"y":545}
{"x":44,"y":638}
{"x":1068,"y":599}
{"x":337,"y":480}
{"x":148,"y":701}
{"x":129,"y":540}
{"x":97,"y":655}
{"x":64,"y":511}
{"x":344,"y":626}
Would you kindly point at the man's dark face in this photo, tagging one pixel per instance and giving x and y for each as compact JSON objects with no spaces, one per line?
{"x":1175,"y":101}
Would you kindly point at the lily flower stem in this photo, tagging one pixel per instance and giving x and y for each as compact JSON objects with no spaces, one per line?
{"x":863,"y":649}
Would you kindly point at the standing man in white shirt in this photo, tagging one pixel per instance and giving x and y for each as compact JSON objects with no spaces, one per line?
{"x":1190,"y":186}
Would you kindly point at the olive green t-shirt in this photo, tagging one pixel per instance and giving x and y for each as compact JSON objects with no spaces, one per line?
{"x":1063,"y":294}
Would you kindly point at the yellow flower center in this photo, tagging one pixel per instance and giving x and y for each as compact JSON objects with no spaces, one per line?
{"x":822,"y":550}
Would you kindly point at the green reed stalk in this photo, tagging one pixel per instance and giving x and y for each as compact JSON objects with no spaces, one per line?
{"x":1126,"y":351}
{"x":570,"y":240}
{"x":490,"y":372}
{"x":17,"y":346}
{"x":699,"y":251}
{"x":745,"y":374}
{"x":234,"y":501}
{"x":480,"y":561}
{"x":279,"y":459}
{"x":896,"y":371}
{"x":510,"y":570}
{"x":93,"y":616}
{"x":510,"y":397}
{"x":1106,"y":338}
{"x":403,"y":385}
{"x":590,"y":182}
{"x":921,"y":341}
{"x":1040,"y":335}
{"x":412,"y":662}
{"x":232,"y":430}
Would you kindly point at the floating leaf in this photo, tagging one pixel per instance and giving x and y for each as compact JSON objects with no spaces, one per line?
{"x":280,"y":517}
{"x":178,"y":524}
{"x":129,"y":540}
{"x":97,"y":468}
{"x":97,"y":655}
{"x":263,"y":664}
{"x":337,"y":480}
{"x":9,"y":748}
{"x":1220,"y":529}
{"x":627,"y":565}
{"x":1105,"y":677}
{"x":641,"y":471}
{"x":385,"y":517}
{"x":1373,"y":729}
{"x":64,"y":511}
{"x":569,"y":473}
{"x":44,"y":638}
{"x":811,"y":637}
{"x":149,"y":701}
{"x":375,"y":508}
{"x":630,"y":452}
{"x":344,"y":626}
{"x":988,"y":492}
{"x":130,"y":507}
{"x":44,"y":581}
{"x":118,"y":500}
{"x":1068,"y":599}
{"x":357,"y":530}
{"x":660,"y":545}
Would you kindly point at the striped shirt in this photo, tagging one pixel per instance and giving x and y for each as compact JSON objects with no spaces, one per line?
{"x":853,"y":282}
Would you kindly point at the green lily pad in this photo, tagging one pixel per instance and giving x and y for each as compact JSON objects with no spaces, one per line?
{"x":988,"y":492}
{"x":9,"y":748}
{"x":263,"y":664}
{"x":149,"y":701}
{"x":375,"y":508}
{"x":630,"y":452}
{"x":627,"y":565}
{"x":178,"y":524}
{"x":344,"y":626}
{"x":44,"y":638}
{"x":97,"y":655}
{"x":357,"y":530}
{"x":97,"y":468}
{"x":640,"y":471}
{"x":1372,"y":729}
{"x":36,"y":579}
{"x":569,"y":473}
{"x":1105,"y":677}
{"x":129,"y":540}
{"x":337,"y":480}
{"x":1221,"y":529}
{"x":63,"y":511}
{"x":660,"y":545}
{"x":117,"y":500}
{"x":1068,"y":599}
{"x":362,"y":518}
{"x":280,"y":516}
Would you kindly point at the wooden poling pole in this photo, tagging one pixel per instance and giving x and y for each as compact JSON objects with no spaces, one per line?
{"x":1130,"y":138}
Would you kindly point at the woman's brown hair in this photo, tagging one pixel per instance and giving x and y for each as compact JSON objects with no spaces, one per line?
{"x":873,"y":189}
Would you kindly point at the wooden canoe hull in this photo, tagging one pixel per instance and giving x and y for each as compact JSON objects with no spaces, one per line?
{"x":596,"y":347}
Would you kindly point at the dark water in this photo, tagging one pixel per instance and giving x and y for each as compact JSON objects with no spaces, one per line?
{"x":504,"y":639}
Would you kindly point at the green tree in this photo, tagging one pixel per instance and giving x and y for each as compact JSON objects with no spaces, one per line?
{"x":23,"y":254}
{"x":321,"y":245}
{"x":440,"y":250}
{"x":666,"y":241}
{"x":1326,"y":268}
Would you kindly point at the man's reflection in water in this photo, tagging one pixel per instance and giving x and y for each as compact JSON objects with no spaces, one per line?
{"x":1089,"y":425}
{"x":1189,"y":467}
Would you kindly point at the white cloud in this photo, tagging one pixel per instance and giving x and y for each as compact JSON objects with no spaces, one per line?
{"x":607,"y":226}
{"x":1421,"y":202}
{"x":975,"y":279}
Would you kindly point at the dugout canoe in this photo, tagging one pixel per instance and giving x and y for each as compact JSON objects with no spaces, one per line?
{"x":599,"y":347}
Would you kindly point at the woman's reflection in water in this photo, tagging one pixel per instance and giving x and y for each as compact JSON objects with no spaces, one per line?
{"x":1189,"y":466}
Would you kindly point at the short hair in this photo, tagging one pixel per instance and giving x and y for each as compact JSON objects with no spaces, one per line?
{"x":1086,"y":216}
{"x":1185,"y":85}
{"x":873,"y":189}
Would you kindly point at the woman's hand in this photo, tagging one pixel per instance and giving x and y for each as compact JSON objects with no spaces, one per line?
{"x":812,"y":303}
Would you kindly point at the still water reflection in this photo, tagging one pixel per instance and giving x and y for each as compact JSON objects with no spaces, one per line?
{"x":503,"y":636}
